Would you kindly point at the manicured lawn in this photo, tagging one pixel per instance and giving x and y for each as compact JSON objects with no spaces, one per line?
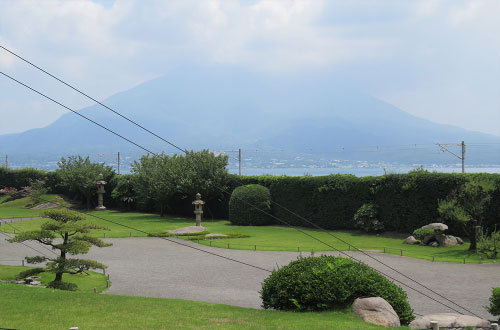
{"x":275,"y":238}
{"x":86,"y":283}
{"x":35,"y":308}
{"x":21,"y":208}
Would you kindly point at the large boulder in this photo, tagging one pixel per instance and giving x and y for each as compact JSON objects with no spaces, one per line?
{"x":446,"y":240}
{"x":376,"y":310}
{"x":411,"y":240}
{"x":437,"y":226}
{"x":450,"y":320}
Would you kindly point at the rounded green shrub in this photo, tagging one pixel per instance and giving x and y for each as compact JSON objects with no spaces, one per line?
{"x":366,"y":218}
{"x":247,"y":203}
{"x":328,"y":282}
{"x":494,"y":308}
{"x":420,"y":233}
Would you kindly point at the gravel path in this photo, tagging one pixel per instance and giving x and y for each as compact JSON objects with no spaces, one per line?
{"x":154,"y":267}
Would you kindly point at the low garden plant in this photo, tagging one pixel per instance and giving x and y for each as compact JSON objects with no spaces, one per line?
{"x":329,"y":283}
{"x":494,"y":308}
{"x":366,"y":219}
{"x":421,"y":233}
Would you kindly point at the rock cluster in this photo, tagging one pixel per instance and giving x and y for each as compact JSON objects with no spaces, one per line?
{"x":449,"y":320}
{"x":437,"y":239}
{"x":30,"y":280}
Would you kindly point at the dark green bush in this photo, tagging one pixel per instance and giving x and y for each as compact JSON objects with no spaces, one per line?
{"x":420,"y":233}
{"x":494,"y":308}
{"x":366,"y":219}
{"x":62,"y":286}
{"x":29,"y":272}
{"x":248,"y":204}
{"x":327,"y":282}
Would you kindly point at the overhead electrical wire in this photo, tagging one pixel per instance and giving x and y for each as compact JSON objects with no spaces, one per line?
{"x":275,"y":203}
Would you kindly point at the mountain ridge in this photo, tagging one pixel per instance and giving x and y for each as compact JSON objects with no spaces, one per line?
{"x":225,"y":107}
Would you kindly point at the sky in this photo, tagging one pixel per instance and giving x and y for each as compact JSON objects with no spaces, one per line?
{"x":437,"y":60}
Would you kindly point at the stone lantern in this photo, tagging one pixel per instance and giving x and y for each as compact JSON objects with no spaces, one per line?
{"x":100,"y":193}
{"x":198,"y":209}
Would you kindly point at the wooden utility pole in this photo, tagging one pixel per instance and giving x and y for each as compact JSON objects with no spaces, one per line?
{"x":118,"y":163}
{"x":443,"y":148}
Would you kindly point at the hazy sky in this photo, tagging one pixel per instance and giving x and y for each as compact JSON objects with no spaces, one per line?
{"x":439,"y":60}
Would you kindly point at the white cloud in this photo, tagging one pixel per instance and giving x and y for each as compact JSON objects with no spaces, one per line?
{"x":465,"y":13}
{"x":389,"y":47}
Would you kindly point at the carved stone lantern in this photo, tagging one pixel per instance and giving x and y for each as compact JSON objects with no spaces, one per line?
{"x":198,"y":209}
{"x":100,"y":193}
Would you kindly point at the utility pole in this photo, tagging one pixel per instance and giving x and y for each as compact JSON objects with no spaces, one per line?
{"x":443,"y":148}
{"x":238,"y":159}
{"x":6,"y":161}
{"x":118,"y":163}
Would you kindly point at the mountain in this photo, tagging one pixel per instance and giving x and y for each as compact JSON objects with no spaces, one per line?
{"x":224,"y":107}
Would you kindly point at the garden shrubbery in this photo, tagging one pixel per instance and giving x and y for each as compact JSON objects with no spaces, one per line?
{"x":248,"y":204}
{"x":366,"y":219}
{"x":327,"y":282}
{"x":421,"y":233}
{"x":494,"y":308}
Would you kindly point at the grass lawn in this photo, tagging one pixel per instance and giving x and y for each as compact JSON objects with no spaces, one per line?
{"x":86,"y":283}
{"x":18,"y":208}
{"x":275,"y":238}
{"x":35,"y":308}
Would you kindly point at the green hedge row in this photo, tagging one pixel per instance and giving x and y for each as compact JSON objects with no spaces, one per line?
{"x":405,"y":201}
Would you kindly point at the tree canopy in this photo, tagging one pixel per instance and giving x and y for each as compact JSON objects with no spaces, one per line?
{"x":66,"y":231}
{"x":79,"y":176}
{"x":159,"y":178}
{"x":467,"y":205}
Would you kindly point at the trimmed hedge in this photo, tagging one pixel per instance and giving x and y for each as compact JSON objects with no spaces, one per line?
{"x":405,"y":202}
{"x":328,"y":282}
{"x":248,"y":204}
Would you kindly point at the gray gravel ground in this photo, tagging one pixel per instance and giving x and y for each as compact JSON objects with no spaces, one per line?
{"x":153,"y":267}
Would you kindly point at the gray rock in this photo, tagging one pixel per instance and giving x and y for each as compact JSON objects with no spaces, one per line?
{"x":187,"y":230}
{"x":411,"y":240}
{"x":35,"y":283}
{"x":376,"y":310}
{"x":428,"y":239}
{"x":436,"y":226}
{"x":459,"y":240}
{"x":448,"y":320}
{"x":446,"y":240}
{"x":434,"y":244}
{"x":216,"y":235}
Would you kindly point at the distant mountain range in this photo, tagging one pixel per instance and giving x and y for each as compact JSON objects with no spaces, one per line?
{"x":226,"y":108}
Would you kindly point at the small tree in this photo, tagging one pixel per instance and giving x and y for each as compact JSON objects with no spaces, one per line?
{"x":161,"y":177}
{"x":79,"y":175}
{"x":71,"y":228}
{"x":467,"y":205}
{"x":35,"y":190}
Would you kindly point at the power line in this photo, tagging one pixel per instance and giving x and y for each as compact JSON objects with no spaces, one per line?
{"x":26,"y":245}
{"x":46,"y":248}
{"x":217,"y":187}
{"x":93,"y":99}
{"x":75,"y":112}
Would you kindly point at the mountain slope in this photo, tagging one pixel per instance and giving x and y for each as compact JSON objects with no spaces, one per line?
{"x":223,"y":107}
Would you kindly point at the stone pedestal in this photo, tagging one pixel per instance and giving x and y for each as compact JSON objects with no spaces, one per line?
{"x":100,"y":194}
{"x":198,"y":209}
